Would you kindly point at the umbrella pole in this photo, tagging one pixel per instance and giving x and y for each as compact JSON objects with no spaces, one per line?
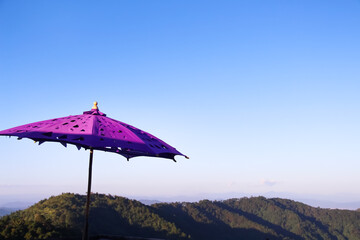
{"x":86,"y":227}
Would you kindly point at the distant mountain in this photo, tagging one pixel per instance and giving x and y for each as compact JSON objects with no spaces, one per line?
{"x":8,"y":208}
{"x":332,"y":205}
{"x":257,"y":218}
{"x":149,"y":202}
{"x":6,"y":211}
{"x":17,"y":205}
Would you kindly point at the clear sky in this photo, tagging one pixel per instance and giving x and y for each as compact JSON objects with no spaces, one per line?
{"x":263,"y":96}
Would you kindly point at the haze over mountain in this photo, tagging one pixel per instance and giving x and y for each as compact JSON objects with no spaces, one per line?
{"x":335,"y":201}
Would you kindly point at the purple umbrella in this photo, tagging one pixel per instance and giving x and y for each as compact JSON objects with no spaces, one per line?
{"x":93,"y":130}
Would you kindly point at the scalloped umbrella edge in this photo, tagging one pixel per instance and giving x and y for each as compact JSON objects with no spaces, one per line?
{"x":93,"y":130}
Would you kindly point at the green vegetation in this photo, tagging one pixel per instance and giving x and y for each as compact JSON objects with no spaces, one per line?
{"x":61,"y":217}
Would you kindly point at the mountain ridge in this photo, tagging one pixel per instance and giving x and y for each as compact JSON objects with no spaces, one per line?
{"x":61,"y":217}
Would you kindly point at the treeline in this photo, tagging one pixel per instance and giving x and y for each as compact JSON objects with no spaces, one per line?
{"x":257,"y":218}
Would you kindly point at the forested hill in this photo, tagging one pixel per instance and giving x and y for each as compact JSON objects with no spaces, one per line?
{"x":257,"y":218}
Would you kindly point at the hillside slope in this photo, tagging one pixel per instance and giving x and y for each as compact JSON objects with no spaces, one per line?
{"x":61,"y":217}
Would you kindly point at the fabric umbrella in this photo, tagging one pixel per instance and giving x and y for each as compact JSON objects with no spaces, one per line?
{"x":93,"y":130}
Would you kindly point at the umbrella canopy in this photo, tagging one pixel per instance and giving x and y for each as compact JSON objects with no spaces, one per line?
{"x":93,"y":129}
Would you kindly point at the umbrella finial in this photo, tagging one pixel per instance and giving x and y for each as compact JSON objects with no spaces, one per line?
{"x":95,"y":110}
{"x":95,"y":107}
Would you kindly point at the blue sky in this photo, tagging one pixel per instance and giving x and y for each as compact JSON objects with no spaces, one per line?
{"x":262,"y":95}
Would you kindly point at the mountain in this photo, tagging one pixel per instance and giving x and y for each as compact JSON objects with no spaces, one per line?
{"x":148,"y":202}
{"x":8,"y":208}
{"x":62,"y":217}
{"x":17,"y":205}
{"x":257,"y":218}
{"x":5,"y":211}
